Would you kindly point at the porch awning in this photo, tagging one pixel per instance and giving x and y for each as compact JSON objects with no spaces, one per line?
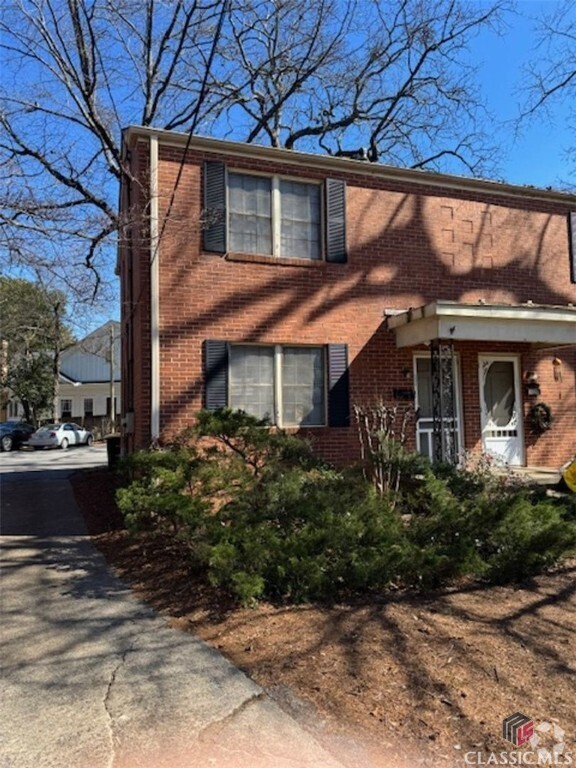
{"x":539,"y":324}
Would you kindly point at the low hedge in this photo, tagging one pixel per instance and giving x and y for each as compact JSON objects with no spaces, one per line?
{"x":266,"y":519}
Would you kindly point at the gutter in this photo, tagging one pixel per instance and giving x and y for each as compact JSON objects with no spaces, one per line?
{"x":329,"y":163}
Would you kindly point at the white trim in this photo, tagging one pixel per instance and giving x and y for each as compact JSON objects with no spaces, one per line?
{"x":515,"y":360}
{"x":458,"y":392}
{"x":328,"y":163}
{"x":526,"y":323}
{"x":154,"y":292}
{"x":276,"y":212}
{"x":278,"y":403}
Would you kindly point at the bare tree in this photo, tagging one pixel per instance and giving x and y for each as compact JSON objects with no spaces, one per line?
{"x":386,"y":75}
{"x":76,"y":73}
{"x":389,"y":78}
{"x":550,"y":77}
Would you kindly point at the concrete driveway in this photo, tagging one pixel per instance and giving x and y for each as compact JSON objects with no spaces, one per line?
{"x":92,"y":678}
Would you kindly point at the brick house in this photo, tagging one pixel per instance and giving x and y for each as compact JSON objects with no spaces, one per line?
{"x":295,"y":285}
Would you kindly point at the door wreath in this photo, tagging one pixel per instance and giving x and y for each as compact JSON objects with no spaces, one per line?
{"x":540,"y":418}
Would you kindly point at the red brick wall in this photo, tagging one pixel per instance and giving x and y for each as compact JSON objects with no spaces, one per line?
{"x":407,"y":247}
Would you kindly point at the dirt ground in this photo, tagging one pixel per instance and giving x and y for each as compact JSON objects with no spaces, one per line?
{"x":414,"y":680}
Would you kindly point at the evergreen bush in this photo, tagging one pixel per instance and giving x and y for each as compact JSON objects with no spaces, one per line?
{"x":266,"y":519}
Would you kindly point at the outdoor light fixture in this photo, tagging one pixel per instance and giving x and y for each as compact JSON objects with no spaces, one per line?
{"x":557,"y":366}
{"x":532,"y":386}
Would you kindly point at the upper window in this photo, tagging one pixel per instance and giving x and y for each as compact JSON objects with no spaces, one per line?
{"x":273,"y":216}
{"x":88,"y":406}
{"x":300,"y":233}
{"x":65,"y":408}
{"x":249,"y":214}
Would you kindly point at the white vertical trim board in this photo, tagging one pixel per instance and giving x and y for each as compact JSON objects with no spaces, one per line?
{"x":154,"y":292}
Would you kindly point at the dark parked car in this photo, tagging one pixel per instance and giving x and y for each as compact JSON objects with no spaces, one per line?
{"x":13,"y":434}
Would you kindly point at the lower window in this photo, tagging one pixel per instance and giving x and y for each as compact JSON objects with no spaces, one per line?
{"x":285,"y":384}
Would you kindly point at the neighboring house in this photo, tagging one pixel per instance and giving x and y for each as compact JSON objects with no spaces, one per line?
{"x":84,"y":387}
{"x":296,"y":286}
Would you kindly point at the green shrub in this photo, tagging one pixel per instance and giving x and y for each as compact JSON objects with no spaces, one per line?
{"x":160,"y":495}
{"x":567,"y":505}
{"x":442,"y":532}
{"x":528,"y":537}
{"x":252,"y":440}
{"x":266,"y":519}
{"x":481,"y":525}
{"x":308,"y":535}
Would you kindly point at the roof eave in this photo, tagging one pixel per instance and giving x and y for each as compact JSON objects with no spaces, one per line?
{"x":543,"y":325}
{"x":347,"y":165}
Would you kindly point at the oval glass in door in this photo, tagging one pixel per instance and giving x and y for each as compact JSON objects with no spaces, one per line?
{"x":500,"y":406}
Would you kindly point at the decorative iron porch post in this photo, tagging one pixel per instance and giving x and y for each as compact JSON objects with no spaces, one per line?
{"x":443,"y":401}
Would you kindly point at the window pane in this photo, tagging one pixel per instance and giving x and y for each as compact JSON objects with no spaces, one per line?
{"x":252,"y":380}
{"x":250,"y":214}
{"x":424,"y":385}
{"x":425,"y":447}
{"x":302,"y":386}
{"x":300,"y":220}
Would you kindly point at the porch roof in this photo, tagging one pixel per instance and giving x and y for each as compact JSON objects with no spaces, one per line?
{"x":539,"y":324}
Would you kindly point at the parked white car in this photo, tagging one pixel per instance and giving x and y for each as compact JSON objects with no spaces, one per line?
{"x":60,"y":436}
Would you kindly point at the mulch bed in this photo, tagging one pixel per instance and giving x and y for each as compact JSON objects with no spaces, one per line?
{"x":409,"y":678}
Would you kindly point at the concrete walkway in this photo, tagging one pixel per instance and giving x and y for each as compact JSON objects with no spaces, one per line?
{"x":91,"y":677}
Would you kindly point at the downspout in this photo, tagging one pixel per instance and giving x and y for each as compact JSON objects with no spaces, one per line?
{"x":154,"y":295}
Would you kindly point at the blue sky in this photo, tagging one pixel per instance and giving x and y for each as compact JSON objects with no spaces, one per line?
{"x":537,"y":155}
{"x":534,"y":157}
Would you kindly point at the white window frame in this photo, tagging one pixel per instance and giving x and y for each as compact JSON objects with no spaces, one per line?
{"x":276,"y":211}
{"x":91,"y":399}
{"x":65,"y":410}
{"x":277,"y":383}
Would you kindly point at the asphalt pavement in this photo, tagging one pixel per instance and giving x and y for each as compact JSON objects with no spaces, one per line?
{"x":93,"y":678}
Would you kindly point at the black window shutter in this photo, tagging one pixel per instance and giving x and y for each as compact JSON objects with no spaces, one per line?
{"x":215,"y":374}
{"x":572,"y":245}
{"x":214,"y":219}
{"x":336,"y":221}
{"x":338,"y":386}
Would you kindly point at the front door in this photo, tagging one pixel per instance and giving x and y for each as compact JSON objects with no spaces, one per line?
{"x":501,"y":406}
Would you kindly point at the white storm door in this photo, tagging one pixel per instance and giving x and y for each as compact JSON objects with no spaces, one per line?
{"x":425,"y":423}
{"x":501,"y":409}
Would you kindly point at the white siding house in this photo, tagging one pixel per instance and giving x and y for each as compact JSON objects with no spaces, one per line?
{"x":85,"y":386}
